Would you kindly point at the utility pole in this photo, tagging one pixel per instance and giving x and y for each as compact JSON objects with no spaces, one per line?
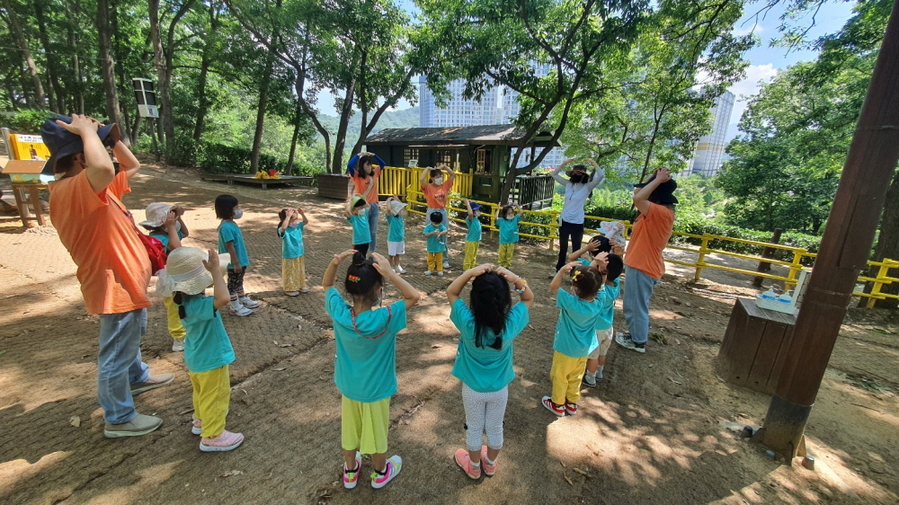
{"x":844,"y":251}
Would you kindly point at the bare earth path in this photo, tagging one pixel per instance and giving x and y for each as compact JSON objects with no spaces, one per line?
{"x":653,"y":432}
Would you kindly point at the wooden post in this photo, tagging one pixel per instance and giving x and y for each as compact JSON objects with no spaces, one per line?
{"x":767,"y":253}
{"x":844,"y":251}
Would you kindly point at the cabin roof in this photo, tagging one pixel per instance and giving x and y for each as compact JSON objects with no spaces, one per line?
{"x":466,"y":135}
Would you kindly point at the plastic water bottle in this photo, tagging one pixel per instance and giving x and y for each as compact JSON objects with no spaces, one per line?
{"x":768,"y":295}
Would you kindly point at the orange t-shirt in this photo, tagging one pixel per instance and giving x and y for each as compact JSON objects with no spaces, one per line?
{"x":362,"y":185}
{"x":436,"y":195}
{"x":648,"y":239}
{"x":113,"y":266}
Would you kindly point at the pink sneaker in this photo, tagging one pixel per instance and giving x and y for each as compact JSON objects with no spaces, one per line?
{"x":489,"y":469}
{"x":225,"y":441}
{"x":351,"y":477}
{"x":391,"y":470}
{"x":464,"y":461}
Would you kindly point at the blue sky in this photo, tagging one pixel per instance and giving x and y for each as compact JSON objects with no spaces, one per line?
{"x":765,"y":61}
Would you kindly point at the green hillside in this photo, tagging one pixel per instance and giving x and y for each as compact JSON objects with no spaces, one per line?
{"x":406,"y":118}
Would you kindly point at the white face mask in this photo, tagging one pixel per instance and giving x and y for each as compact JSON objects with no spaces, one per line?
{"x":360,"y":212}
{"x":293,"y":225}
{"x":238,"y":213}
{"x":477,"y":213}
{"x":438,"y":180}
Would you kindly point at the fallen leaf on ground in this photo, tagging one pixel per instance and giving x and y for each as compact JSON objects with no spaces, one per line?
{"x":280,"y":369}
{"x":568,"y":481}
{"x":578,"y":470}
{"x":75,"y":421}
{"x":231,"y":473}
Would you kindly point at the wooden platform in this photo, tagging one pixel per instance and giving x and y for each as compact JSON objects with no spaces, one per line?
{"x":285,"y":180}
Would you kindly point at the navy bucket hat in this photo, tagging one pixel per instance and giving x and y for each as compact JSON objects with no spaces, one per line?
{"x":662,"y":194}
{"x":62,"y":142}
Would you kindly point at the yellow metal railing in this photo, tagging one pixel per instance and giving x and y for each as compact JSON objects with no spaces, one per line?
{"x":405,"y":182}
{"x":399,"y":180}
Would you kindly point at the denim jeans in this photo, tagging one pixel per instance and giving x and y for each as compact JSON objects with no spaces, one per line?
{"x":637,"y":291}
{"x":373,"y":225}
{"x":566,"y":230}
{"x":119,"y":363}
{"x":446,"y":254}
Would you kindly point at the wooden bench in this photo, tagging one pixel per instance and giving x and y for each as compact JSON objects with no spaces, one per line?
{"x":755,"y":346}
{"x":265,"y":183}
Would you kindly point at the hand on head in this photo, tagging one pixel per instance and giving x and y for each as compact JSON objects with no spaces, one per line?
{"x":663,"y":174}
{"x":602,"y":257}
{"x":345,"y":254}
{"x":170,"y":218}
{"x":382,"y":265}
{"x":179,"y":210}
{"x":212,"y":262}
{"x":570,"y":266}
{"x":80,"y":124}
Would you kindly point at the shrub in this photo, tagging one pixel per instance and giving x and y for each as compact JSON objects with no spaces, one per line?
{"x":28,"y":121}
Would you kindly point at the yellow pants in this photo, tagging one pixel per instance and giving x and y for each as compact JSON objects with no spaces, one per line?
{"x":435,"y":262}
{"x":566,"y":375}
{"x":212,"y":394}
{"x":363,"y":426}
{"x":471,"y":255}
{"x":505,"y":254}
{"x":176,"y":329}
{"x":293,"y":273}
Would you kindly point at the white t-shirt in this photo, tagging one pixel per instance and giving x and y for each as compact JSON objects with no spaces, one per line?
{"x":575,"y":198}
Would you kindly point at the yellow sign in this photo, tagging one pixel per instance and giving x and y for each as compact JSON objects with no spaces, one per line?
{"x":28,"y":147}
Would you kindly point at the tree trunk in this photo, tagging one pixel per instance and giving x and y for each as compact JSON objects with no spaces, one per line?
{"x":260,"y":115}
{"x":293,"y":141}
{"x":16,"y":29}
{"x":346,"y":110}
{"x":162,"y":79}
{"x":202,"y":99}
{"x":76,"y":63}
{"x":107,"y":64}
{"x":57,"y":98}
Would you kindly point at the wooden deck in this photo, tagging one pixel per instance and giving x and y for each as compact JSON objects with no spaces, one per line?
{"x":285,"y":180}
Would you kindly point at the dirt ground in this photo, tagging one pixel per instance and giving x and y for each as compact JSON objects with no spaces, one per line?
{"x":657,"y":430}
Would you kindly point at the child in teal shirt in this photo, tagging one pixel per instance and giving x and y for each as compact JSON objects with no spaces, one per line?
{"x":436,"y":247}
{"x":473,"y":239}
{"x":507,"y":221}
{"x":611,"y":267}
{"x":357,"y":215}
{"x":575,"y":335}
{"x":396,"y":232}
{"x":488,"y":325}
{"x":166,"y":225}
{"x":365,"y":367}
{"x":293,"y":252}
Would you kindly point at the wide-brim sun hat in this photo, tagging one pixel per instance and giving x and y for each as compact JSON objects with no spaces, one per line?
{"x":156,"y":213}
{"x":356,"y":199}
{"x":475,"y":206}
{"x":396,"y":206}
{"x":184,"y":272}
{"x":62,"y":142}
{"x":663,"y":193}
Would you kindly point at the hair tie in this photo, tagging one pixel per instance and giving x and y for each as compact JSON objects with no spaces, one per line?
{"x":352,"y":278}
{"x":576,"y":275}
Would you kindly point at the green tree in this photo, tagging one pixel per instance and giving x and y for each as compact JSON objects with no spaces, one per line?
{"x":685,"y":56}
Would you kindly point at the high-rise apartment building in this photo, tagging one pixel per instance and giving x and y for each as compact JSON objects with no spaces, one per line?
{"x":709,"y":152}
{"x":458,"y":111}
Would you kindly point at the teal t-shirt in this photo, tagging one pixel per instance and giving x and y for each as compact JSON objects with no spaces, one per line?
{"x":396,"y":229}
{"x":365,"y":368}
{"x":164,"y":238}
{"x":292,"y":241}
{"x":508,"y":229}
{"x":361,"y":231}
{"x":435,"y":245}
{"x":607,"y":296}
{"x":474,"y":229}
{"x":576,"y":329}
{"x":485,"y":369}
{"x":206,"y":346}
{"x":230,"y":232}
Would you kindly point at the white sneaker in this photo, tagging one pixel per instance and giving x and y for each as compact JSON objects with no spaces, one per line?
{"x":248,"y":303}
{"x":440,"y":273}
{"x":429,"y":272}
{"x":446,"y":264}
{"x":177,"y":344}
{"x":241,"y":311}
{"x":400,"y":270}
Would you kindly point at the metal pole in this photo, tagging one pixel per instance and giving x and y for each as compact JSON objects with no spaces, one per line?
{"x":844,"y":251}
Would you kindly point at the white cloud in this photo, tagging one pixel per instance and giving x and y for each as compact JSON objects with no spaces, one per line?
{"x":742,"y":29}
{"x":745,"y":89}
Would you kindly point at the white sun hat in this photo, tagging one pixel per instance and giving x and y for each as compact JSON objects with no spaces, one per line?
{"x":156,"y":214}
{"x":396,"y":206}
{"x":184,"y":272}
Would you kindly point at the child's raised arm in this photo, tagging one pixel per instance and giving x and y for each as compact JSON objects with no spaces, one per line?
{"x":219,"y":288}
{"x":303,"y":214}
{"x":557,"y":280}
{"x":174,"y":240}
{"x":468,"y":206}
{"x":410,"y":294}
{"x":179,"y":211}
{"x":588,"y":247}
{"x":521,"y":286}
{"x":331,"y":271}
{"x":285,"y":222}
{"x":349,"y":207}
{"x":454,"y":290}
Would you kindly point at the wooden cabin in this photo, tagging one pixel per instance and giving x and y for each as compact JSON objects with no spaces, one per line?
{"x":484,"y":152}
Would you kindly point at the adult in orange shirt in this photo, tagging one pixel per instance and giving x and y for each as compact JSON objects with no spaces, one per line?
{"x":364,"y":170}
{"x":643,"y":263}
{"x":436,"y":190}
{"x":113,"y":266}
